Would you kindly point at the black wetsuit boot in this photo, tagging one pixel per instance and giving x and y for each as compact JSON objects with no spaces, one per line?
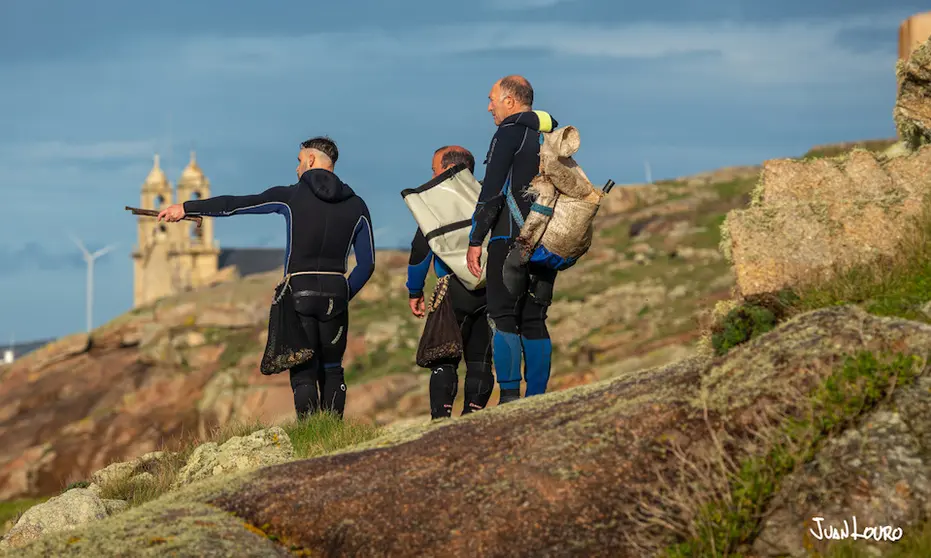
{"x":444,"y":383}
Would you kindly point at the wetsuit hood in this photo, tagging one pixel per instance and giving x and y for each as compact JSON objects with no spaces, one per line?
{"x":326,"y":185}
{"x":537,"y":120}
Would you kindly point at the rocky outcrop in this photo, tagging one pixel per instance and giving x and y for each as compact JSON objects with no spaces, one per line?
{"x":912,"y":112}
{"x":78,"y":506}
{"x":240,"y":453}
{"x":609,"y":456}
{"x":812,"y":219}
{"x":67,"y":512}
{"x":142,"y":468}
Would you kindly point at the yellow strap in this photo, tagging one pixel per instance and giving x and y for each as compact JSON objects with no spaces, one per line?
{"x":546,"y":121}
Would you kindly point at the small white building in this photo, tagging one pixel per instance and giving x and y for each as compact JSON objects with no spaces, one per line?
{"x":8,"y":356}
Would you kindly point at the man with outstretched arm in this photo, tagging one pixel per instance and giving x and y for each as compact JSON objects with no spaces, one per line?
{"x":518,"y":320}
{"x":324,"y":219}
{"x":469,"y":307}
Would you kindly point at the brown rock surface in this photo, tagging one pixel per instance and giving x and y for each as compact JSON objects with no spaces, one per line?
{"x":575,"y":470}
{"x":814,"y":217}
{"x":569,"y":468}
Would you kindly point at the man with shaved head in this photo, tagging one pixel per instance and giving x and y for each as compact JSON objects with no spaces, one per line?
{"x":518,"y":320}
{"x":469,"y":307}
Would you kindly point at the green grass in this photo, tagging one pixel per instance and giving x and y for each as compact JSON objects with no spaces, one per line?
{"x":323,"y":433}
{"x":724,"y":523}
{"x":382,"y":362}
{"x":733,"y":189}
{"x":711,"y":236}
{"x":319,"y":434}
{"x":238,"y":345}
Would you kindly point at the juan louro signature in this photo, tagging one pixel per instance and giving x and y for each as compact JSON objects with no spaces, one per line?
{"x":849,"y":531}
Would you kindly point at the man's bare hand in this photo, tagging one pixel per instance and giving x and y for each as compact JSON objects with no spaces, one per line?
{"x":474,"y":260}
{"x":418,"y":308}
{"x":172,"y":213}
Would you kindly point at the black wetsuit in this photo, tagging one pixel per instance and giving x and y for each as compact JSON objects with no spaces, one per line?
{"x":324,"y":220}
{"x":518,"y":321}
{"x":469,"y":307}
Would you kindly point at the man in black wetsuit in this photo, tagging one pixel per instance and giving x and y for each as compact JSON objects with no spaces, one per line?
{"x":324,"y":218}
{"x":469,"y":307}
{"x":518,"y":320}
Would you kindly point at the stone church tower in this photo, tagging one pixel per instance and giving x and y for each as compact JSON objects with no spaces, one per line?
{"x":172,"y":257}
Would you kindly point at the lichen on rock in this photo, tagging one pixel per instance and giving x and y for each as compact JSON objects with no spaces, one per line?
{"x":61,"y":513}
{"x":261,"y":448}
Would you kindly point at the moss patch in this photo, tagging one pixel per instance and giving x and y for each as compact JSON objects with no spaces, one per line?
{"x":756,"y":316}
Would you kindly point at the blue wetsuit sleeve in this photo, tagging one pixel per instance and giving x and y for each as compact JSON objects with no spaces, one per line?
{"x":273,"y":200}
{"x":363,"y":244}
{"x":497,"y":170}
{"x":419,"y":265}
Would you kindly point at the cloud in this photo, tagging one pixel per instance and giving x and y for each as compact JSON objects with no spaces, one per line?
{"x":791,"y":52}
{"x":515,"y":5}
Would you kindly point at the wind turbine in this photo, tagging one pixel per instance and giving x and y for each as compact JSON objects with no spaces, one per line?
{"x":90,"y":258}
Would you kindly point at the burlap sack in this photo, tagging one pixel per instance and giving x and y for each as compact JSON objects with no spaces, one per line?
{"x":562,"y":188}
{"x":569,"y":232}
{"x":544,"y":195}
{"x":557,"y":164}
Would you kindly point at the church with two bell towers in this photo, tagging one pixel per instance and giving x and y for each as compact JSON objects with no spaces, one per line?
{"x":170,"y":258}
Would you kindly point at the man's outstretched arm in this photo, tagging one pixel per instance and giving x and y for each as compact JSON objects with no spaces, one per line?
{"x":497,"y":170}
{"x":273,"y":200}
{"x":363,"y":244}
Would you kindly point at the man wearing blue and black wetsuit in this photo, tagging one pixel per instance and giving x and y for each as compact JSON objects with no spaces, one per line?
{"x":518,"y":320}
{"x":325,"y":219}
{"x":469,"y":307}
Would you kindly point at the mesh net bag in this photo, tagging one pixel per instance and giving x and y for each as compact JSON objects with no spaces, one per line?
{"x":287,"y":344}
{"x":441,"y":338}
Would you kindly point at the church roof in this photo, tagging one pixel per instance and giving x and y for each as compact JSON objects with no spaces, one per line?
{"x":250,"y":261}
{"x":156,"y":175}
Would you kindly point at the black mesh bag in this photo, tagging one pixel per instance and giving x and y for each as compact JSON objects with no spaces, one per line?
{"x":441,"y":339}
{"x":287,"y":344}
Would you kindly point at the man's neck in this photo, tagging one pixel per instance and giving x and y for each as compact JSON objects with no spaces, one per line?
{"x":519,"y":110}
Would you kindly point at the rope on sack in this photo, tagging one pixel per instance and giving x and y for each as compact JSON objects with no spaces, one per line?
{"x":439,"y":293}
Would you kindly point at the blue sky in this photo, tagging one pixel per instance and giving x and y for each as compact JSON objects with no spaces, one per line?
{"x":91,"y":90}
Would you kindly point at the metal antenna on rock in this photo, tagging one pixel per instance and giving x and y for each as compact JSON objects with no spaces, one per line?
{"x":90,"y":258}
